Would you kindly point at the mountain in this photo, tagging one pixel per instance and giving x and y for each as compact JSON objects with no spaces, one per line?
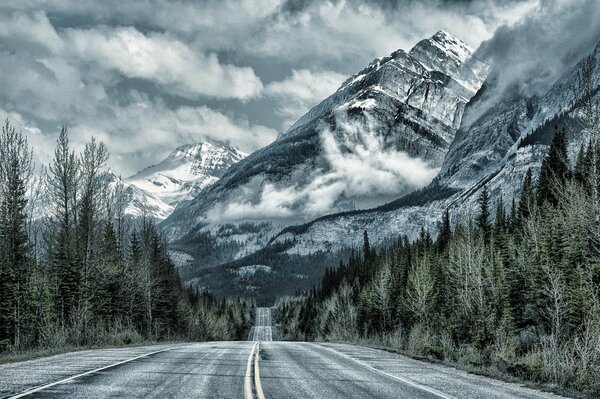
{"x":382,"y":134}
{"x":501,"y":140}
{"x":158,"y":189}
{"x":186,"y":171}
{"x":135,"y":202}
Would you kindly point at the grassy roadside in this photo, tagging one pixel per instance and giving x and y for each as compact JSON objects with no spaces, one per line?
{"x":493,"y":373}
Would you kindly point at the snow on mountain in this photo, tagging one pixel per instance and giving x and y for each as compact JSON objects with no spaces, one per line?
{"x":495,"y":149}
{"x":158,"y":189}
{"x":135,"y":201}
{"x":382,"y":134}
{"x":186,"y":171}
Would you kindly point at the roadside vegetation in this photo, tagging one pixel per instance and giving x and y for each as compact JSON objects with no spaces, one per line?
{"x":76,"y":272}
{"x":516,"y":296}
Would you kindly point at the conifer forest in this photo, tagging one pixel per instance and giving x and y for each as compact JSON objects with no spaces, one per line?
{"x":84,"y":274}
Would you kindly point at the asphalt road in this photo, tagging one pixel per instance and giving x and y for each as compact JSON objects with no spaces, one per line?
{"x":267,"y":369}
{"x":262,"y":329}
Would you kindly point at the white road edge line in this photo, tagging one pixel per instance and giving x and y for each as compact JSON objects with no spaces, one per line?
{"x":404,"y":380}
{"x":257,"y":384}
{"x":40,"y":388}
{"x":248,"y":379}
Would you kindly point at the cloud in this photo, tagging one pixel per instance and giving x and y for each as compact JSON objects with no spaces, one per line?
{"x":141,"y":74}
{"x":302,"y":90}
{"x":161,"y":59}
{"x":347,"y":34}
{"x":30,"y":29}
{"x":73,"y":77}
{"x":360,"y":166}
{"x":369,"y":167}
{"x":157,"y":57}
{"x":146,"y":130}
{"x":344,"y":34}
{"x":529,"y":56}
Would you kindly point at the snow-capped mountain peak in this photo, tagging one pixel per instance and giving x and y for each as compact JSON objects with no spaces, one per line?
{"x":451,"y":46}
{"x":186,"y":171}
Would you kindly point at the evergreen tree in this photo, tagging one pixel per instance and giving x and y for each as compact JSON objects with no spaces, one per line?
{"x":62,"y":179}
{"x":580,"y":172}
{"x":445,"y":232}
{"x":527,"y":199}
{"x":554,"y":171}
{"x":366,"y":247}
{"x":92,"y":160}
{"x":500,"y":221}
{"x":15,"y":262}
{"x":483,"y":219}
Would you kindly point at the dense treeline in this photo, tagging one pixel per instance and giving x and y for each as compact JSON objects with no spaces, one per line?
{"x":519,"y":293}
{"x":74,"y":270}
{"x":285,"y":274}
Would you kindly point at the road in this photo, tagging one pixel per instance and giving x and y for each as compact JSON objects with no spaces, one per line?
{"x":251,"y":369}
{"x":262,"y":329}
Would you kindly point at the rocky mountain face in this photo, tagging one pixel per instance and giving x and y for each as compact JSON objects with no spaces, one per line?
{"x":382,"y":134}
{"x":495,"y":148}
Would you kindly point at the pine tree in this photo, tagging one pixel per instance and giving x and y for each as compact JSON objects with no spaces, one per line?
{"x":527,"y":199}
{"x":366,"y":247}
{"x":92,"y":160}
{"x":445,"y":232}
{"x":483,"y":219}
{"x":580,"y":172}
{"x":500,"y":221}
{"x":62,"y":179}
{"x":107,"y":277}
{"x":554,"y":172}
{"x":15,"y":263}
{"x":512,"y":221}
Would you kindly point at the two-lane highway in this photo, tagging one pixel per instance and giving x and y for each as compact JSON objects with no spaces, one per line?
{"x":262,"y":329}
{"x":252,"y":369}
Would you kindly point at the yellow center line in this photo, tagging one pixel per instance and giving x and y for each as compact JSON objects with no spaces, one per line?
{"x":248,"y":377}
{"x":257,"y":384}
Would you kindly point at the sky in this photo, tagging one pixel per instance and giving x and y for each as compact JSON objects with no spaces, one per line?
{"x":148,"y":76}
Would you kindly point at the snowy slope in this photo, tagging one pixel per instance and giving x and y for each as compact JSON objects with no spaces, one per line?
{"x":158,"y":189}
{"x":186,"y":171}
{"x":382,"y":134}
{"x":136,"y":202}
{"x":495,"y":149}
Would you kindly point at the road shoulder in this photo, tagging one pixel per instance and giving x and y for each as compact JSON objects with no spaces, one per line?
{"x":455,"y":382}
{"x":22,"y":376}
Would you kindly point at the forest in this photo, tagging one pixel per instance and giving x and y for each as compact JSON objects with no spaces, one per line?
{"x":76,"y":271}
{"x":511,"y":290}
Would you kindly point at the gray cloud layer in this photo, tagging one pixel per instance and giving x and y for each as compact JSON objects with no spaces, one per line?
{"x":529,"y":56}
{"x":148,"y":76}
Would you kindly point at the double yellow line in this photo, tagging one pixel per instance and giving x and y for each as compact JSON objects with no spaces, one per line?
{"x":253,"y":359}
